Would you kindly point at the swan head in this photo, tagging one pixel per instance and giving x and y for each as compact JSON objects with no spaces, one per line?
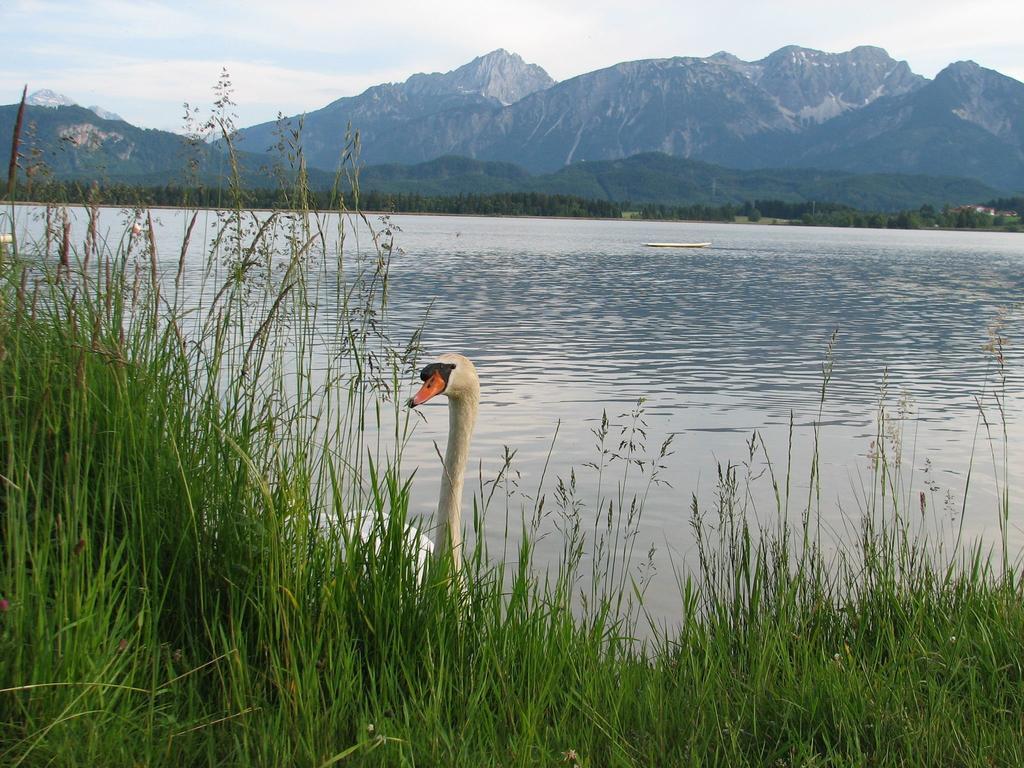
{"x":452,"y":375}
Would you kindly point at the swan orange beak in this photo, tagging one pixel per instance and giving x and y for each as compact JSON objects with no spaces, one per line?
{"x":432,"y":386}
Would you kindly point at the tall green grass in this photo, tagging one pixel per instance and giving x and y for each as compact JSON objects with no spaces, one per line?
{"x":169,"y":600}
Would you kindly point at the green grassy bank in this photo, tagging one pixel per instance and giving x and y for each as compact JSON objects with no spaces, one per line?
{"x":167,"y":599}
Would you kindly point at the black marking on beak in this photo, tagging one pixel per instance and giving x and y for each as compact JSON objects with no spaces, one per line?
{"x":445,"y":369}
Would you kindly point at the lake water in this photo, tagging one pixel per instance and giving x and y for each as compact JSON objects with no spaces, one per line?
{"x":567,"y":320}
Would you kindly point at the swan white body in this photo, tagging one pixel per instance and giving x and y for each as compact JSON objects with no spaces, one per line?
{"x":454,"y":376}
{"x":369,"y":528}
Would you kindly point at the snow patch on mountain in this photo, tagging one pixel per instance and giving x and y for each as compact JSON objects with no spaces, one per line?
{"x":51,"y":100}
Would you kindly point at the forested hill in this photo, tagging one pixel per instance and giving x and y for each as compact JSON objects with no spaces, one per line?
{"x":74,"y":144}
{"x":659,"y":178}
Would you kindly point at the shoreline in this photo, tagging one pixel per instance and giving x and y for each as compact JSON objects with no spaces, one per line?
{"x":772,"y":223}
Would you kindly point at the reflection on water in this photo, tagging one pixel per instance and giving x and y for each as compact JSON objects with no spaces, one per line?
{"x":569,"y":319}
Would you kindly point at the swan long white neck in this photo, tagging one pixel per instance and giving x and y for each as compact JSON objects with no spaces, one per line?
{"x":448,"y":528}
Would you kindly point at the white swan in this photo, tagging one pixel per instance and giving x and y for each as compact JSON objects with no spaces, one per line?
{"x":454,"y":376}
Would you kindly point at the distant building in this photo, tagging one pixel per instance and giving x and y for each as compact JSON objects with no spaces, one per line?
{"x":985,"y":210}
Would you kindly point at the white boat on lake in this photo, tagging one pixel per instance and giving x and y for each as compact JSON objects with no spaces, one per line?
{"x":677,"y":245}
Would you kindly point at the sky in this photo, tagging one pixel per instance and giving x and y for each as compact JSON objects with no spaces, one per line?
{"x":145,"y":59}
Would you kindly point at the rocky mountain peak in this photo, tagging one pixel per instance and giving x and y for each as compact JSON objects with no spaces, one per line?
{"x":51,"y":100}
{"x":815,"y":86}
{"x":106,"y":114}
{"x":983,"y":97}
{"x":963,"y":72}
{"x":501,"y":75}
{"x":726,"y":58}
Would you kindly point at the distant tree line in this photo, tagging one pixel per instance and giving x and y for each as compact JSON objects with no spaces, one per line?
{"x":825,"y":214}
{"x":925,"y":217}
{"x":663,"y":212}
{"x":500,"y":204}
{"x":526,"y":204}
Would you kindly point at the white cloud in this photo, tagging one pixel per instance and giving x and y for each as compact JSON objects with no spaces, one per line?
{"x":134,"y":87}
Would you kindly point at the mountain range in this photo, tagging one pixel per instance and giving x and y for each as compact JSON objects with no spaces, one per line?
{"x":857,"y":127}
{"x":860,"y":111}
